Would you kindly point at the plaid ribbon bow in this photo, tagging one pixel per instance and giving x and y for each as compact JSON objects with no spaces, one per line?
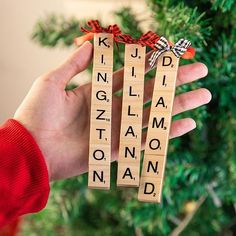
{"x":95,"y":27}
{"x":162,"y":46}
{"x":147,"y":39}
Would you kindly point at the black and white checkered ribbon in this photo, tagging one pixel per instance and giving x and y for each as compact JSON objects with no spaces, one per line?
{"x":162,"y":46}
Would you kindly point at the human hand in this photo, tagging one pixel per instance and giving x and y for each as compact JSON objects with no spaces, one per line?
{"x":59,"y":120}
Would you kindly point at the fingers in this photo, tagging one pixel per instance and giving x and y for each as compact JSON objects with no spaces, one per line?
{"x":181,"y":127}
{"x":191,"y":72}
{"x":178,"y":128}
{"x":190,"y":100}
{"x":75,"y":64}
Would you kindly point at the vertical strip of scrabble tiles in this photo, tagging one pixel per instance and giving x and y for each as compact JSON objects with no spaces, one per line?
{"x":131,"y":120}
{"x":152,"y":177}
{"x":100,"y":120}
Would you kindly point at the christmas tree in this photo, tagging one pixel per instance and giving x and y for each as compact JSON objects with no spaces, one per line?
{"x":200,"y":183}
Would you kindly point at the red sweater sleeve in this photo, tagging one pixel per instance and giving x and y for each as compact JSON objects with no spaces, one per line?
{"x":24,"y":182}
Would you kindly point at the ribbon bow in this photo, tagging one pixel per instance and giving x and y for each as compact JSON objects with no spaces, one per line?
{"x":147,"y":39}
{"x":162,"y":46}
{"x":95,"y":27}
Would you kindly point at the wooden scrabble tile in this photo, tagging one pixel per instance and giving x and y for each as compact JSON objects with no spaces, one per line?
{"x":134,"y":55}
{"x":162,"y":101}
{"x":167,"y":62}
{"x":99,"y":176}
{"x":128,"y":174}
{"x":130,"y":132}
{"x":100,"y":132}
{"x":101,"y":96}
{"x":102,"y":77}
{"x":101,"y":114}
{"x":133,"y":91}
{"x":132,"y":112}
{"x":103,"y":42}
{"x":165,"y":81}
{"x":99,"y":154}
{"x":150,"y":190}
{"x":130,"y":151}
{"x":153,"y":166}
{"x":157,"y":143}
{"x":159,"y":121}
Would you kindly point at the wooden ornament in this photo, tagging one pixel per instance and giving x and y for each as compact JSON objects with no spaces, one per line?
{"x":131,"y":120}
{"x":150,"y":189}
{"x":99,"y":176}
{"x":100,"y":120}
{"x":152,"y":177}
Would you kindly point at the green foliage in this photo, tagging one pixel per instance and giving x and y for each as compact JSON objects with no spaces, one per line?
{"x":189,"y":24}
{"x":200,"y":164}
{"x":56,"y":30}
{"x":222,"y":5}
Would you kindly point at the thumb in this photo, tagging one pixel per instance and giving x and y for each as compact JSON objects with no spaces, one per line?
{"x":75,"y":64}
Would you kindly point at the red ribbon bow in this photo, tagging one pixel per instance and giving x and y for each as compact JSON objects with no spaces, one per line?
{"x":147,"y":39}
{"x":95,"y":27}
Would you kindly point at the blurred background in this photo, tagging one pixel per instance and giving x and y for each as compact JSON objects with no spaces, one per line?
{"x":21,"y":60}
{"x":199,"y":195}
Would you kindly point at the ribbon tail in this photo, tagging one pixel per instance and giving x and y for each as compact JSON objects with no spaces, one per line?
{"x":152,"y":60}
{"x":152,"y":56}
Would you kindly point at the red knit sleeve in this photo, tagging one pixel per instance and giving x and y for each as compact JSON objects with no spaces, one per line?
{"x":24,"y":182}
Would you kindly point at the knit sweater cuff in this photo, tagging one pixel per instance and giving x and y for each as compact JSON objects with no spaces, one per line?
{"x":23,"y":172}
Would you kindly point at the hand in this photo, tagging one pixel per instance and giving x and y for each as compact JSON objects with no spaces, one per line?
{"x":59,"y":119}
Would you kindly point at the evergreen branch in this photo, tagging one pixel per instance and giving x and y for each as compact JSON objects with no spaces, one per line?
{"x":55,"y":30}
